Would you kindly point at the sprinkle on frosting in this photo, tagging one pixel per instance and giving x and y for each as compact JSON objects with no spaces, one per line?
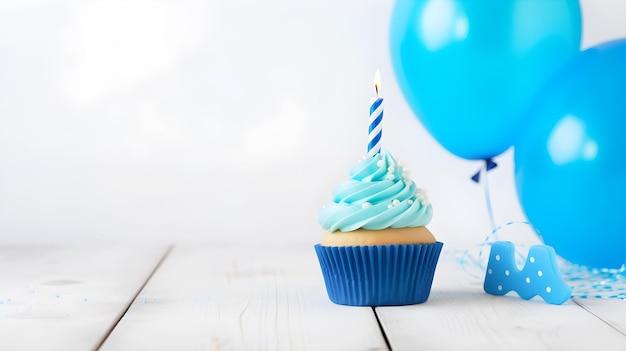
{"x":378,"y":195}
{"x":422,"y":196}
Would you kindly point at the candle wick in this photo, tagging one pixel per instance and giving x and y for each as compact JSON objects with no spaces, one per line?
{"x":376,"y":87}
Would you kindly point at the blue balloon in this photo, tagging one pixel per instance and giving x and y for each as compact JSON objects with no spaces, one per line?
{"x":570,"y":161}
{"x":469,"y":68}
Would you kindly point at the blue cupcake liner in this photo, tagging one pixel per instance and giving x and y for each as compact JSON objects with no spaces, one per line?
{"x":381,"y":275}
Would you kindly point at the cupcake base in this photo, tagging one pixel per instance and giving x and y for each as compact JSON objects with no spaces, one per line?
{"x":381,"y":275}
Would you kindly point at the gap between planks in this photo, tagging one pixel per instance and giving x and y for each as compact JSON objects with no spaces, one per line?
{"x":458,"y":301}
{"x":607,"y":322}
{"x":382,"y":330}
{"x":130,"y":301}
{"x":247,"y":299}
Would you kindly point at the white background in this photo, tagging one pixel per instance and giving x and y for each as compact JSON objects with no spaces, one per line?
{"x":179,"y":121}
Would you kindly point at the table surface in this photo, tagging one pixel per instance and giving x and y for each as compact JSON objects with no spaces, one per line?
{"x":221,"y":297}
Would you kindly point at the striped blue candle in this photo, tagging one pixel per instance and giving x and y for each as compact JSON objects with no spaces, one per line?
{"x":376,"y":127}
{"x":376,"y":120}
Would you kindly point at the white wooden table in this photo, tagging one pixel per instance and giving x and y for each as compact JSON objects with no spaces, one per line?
{"x":212,"y":297}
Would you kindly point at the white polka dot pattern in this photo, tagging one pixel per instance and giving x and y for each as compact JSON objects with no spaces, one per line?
{"x":503,"y":276}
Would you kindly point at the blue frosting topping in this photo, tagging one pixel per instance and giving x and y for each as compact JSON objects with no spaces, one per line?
{"x":378,"y":195}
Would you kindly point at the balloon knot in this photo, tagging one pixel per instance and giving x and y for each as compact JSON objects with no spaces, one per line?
{"x":489,"y":165}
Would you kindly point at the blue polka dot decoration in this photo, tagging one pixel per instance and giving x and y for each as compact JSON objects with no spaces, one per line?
{"x":540,"y":275}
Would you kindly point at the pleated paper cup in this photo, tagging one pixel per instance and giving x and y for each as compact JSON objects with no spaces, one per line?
{"x":382,"y":275}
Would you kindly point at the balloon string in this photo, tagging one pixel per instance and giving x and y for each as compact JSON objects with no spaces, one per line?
{"x":479,"y":261}
{"x":485,"y":177}
{"x":472,"y":260}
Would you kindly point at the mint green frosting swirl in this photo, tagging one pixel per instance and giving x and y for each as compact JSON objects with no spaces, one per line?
{"x":378,"y":195}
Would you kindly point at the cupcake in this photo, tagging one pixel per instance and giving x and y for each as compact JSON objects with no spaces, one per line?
{"x":377,"y":250}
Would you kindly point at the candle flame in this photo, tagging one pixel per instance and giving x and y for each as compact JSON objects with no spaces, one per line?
{"x":377,"y":82}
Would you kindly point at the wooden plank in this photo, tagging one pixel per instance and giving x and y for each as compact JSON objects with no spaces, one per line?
{"x":460,"y":316}
{"x":248,"y":298}
{"x":68,"y":298}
